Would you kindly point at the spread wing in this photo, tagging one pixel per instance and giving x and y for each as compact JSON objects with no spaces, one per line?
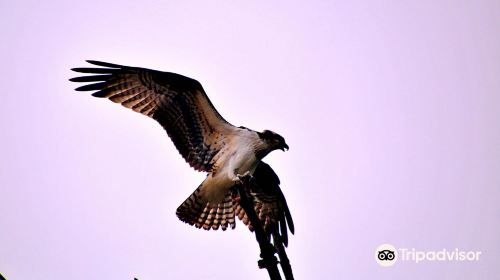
{"x":178,"y":103}
{"x":270,"y":203}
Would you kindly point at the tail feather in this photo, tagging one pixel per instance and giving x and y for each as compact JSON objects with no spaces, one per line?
{"x":197,"y":211}
{"x":242,"y":215}
{"x":268,"y":200}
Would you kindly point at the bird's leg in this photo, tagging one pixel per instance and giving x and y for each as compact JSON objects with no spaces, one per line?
{"x":244,"y":175}
{"x":242,"y":178}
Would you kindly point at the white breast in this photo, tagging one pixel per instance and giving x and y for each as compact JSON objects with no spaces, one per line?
{"x":238,"y":157}
{"x":243,"y":159}
{"x":240,"y":154}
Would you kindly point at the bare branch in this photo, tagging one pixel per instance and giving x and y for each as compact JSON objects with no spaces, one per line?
{"x":267,"y":250}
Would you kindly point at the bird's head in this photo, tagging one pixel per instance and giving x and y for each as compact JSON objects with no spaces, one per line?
{"x":273,"y":140}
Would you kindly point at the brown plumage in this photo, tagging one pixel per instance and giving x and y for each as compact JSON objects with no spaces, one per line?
{"x":205,"y":140}
{"x":178,"y":103}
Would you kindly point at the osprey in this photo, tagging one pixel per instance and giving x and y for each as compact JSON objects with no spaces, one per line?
{"x":205,"y":140}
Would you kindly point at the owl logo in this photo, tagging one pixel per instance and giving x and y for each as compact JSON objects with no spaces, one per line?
{"x":386,"y":255}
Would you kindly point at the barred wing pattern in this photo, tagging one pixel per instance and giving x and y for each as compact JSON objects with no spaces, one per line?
{"x":270,"y":206}
{"x":269,"y":201}
{"x":199,"y":133}
{"x":195,"y":210}
{"x":177,"y":102}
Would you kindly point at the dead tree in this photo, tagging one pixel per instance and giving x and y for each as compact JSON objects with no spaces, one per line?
{"x":267,"y":250}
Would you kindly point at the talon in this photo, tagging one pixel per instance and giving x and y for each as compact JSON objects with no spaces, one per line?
{"x":237,"y":179}
{"x":240,"y":177}
{"x":245,"y":176}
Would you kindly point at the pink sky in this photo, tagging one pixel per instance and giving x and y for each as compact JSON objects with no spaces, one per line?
{"x":391,"y":110}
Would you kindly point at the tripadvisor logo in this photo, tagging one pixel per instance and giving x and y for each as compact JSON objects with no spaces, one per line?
{"x":387,"y":255}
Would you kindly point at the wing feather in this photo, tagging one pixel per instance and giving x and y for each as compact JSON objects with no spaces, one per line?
{"x":270,"y":203}
{"x":177,"y":102}
{"x":265,"y":193}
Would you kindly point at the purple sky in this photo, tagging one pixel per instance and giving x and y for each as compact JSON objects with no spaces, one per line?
{"x":391,"y":111}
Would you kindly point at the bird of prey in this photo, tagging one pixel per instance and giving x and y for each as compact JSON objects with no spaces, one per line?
{"x":205,"y":140}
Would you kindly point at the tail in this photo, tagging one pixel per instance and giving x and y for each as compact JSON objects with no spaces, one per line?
{"x":197,"y":211}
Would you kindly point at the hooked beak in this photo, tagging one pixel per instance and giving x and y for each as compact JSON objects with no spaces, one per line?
{"x":285,"y":146}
